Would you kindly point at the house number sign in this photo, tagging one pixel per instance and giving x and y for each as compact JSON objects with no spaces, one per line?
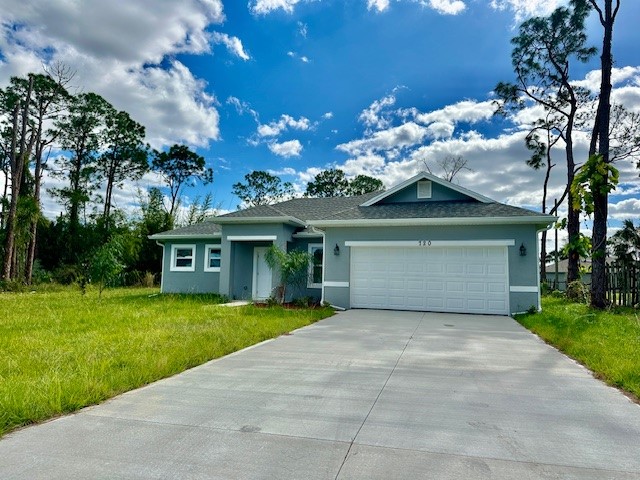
{"x":424,"y":243}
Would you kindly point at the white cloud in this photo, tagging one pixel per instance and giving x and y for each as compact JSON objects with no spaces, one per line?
{"x":263,"y":7}
{"x":291,"y":148}
{"x":327,"y":116}
{"x":304,"y":59}
{"x":372,"y":115}
{"x":243,"y":107}
{"x":406,"y":135}
{"x":469,"y":111}
{"x":526,"y":8}
{"x":629,"y":208}
{"x":275,"y":128}
{"x":379,"y":5}
{"x":233,"y":44}
{"x":172,"y":104}
{"x":447,"y":7}
{"x":303,"y":29}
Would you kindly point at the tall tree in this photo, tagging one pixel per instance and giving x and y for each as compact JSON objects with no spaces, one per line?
{"x":49,"y":97}
{"x":607,"y":11}
{"x":177,"y":166}
{"x":17,"y":100}
{"x":80,"y":132}
{"x":154,"y":219}
{"x":125,"y":156}
{"x":262,"y":188}
{"x":450,"y":166}
{"x":328,"y":183}
{"x":362,"y":184}
{"x":626,"y":243}
{"x":543,"y":52}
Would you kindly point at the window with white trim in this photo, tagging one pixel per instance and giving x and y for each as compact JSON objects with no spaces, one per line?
{"x":183,"y":258}
{"x":212,"y":255}
{"x":315,"y":267}
{"x":424,"y":189}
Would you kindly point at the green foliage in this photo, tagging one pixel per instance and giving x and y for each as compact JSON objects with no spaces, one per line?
{"x":292,"y":266}
{"x":626,"y":243}
{"x":177,"y":166}
{"x":580,"y":245}
{"x":594,"y":177}
{"x":62,"y":352}
{"x":605,"y":341}
{"x":334,"y":183}
{"x":577,"y":292}
{"x":106,"y":263}
{"x":262,"y":188}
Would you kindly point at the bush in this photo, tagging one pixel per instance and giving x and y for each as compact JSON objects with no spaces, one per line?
{"x":67,"y":274}
{"x":577,"y":292}
{"x":148,"y":280}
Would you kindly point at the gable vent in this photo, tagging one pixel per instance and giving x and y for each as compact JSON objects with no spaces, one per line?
{"x":424,"y":189}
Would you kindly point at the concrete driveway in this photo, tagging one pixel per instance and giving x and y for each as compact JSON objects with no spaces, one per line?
{"x":362,"y":395}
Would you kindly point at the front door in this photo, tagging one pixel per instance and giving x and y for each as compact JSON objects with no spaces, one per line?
{"x":262,"y":275}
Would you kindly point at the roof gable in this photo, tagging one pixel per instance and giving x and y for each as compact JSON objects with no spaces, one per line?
{"x":438,"y":190}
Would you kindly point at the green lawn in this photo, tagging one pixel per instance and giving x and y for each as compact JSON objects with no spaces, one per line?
{"x":61,"y":351}
{"x":608,"y":343}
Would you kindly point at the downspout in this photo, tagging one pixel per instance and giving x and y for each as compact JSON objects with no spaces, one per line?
{"x":161,"y":269}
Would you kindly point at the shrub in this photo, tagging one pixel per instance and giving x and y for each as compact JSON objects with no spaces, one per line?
{"x":577,"y":292}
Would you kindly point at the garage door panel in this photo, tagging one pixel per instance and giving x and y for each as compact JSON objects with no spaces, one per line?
{"x":447,"y":279}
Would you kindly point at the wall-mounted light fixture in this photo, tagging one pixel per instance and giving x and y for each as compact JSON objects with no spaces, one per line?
{"x":336,"y":250}
{"x":523,"y":250}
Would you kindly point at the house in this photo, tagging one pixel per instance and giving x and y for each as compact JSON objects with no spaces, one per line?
{"x":425,"y":244}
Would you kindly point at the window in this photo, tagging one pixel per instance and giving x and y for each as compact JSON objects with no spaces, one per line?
{"x":182,"y":258}
{"x":424,"y":189}
{"x":315,"y":268}
{"x":212,"y":258}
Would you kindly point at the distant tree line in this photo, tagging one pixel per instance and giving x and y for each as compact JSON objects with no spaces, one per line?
{"x":92,"y":149}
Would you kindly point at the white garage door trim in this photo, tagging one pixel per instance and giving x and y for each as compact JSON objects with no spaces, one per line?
{"x":463,"y":278}
{"x":431,"y":243}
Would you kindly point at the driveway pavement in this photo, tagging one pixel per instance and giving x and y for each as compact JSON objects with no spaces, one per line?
{"x":362,"y":395}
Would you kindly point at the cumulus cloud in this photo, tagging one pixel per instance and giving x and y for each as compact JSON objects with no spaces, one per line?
{"x":447,"y":7}
{"x":167,"y":99}
{"x":406,"y":135}
{"x":275,"y":128}
{"x":373,"y":116}
{"x":379,"y":5}
{"x":291,"y":148}
{"x":263,"y":7}
{"x":526,"y":8}
{"x":629,"y":208}
{"x":233,"y":44}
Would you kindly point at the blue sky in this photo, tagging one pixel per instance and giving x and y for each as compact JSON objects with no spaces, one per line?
{"x":295,"y":86}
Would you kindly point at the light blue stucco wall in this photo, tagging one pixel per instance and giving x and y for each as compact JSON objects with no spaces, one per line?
{"x":197,"y":281}
{"x":522,"y":269}
{"x":303,"y":245}
{"x":439,"y":193}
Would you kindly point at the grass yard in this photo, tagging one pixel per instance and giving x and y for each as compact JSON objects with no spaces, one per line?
{"x":608,"y":343}
{"x":61,"y":351}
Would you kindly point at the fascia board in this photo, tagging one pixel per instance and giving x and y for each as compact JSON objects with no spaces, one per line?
{"x":261,"y":220}
{"x":202,"y":236}
{"x":390,"y":222}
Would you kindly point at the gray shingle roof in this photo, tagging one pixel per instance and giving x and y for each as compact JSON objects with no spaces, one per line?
{"x":304,"y":209}
{"x":206,"y":228}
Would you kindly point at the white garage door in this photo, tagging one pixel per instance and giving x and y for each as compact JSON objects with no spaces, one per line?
{"x":440,"y":279}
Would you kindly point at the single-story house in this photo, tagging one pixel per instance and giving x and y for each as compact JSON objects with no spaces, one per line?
{"x":426,"y":244}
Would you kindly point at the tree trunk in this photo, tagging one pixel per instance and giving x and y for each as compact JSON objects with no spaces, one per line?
{"x":601,"y":132}
{"x":573,"y":215}
{"x":13,"y":205}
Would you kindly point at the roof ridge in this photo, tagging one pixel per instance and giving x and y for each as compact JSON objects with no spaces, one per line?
{"x":286,"y":214}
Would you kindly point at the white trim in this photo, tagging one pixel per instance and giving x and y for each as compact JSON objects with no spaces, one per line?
{"x":464,"y":221}
{"x":275,"y":219}
{"x":424,"y":189}
{"x":195,"y":236}
{"x":336,"y":284}
{"x":310,"y":248}
{"x":426,"y":176}
{"x":211,"y":246}
{"x":523,"y":289}
{"x":251,"y":238}
{"x":424,"y":243}
{"x":162,"y":269}
{"x":176,"y":246}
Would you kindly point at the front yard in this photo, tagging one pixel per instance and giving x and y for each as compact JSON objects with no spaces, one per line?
{"x":61,"y":351}
{"x":608,"y":343}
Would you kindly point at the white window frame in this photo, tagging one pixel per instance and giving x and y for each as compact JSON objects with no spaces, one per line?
{"x":310,"y":249}
{"x":424,"y":188}
{"x":179,"y":246}
{"x":207,"y":249}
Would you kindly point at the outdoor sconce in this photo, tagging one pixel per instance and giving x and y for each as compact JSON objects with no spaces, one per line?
{"x":523,"y":250}
{"x":336,"y":250}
